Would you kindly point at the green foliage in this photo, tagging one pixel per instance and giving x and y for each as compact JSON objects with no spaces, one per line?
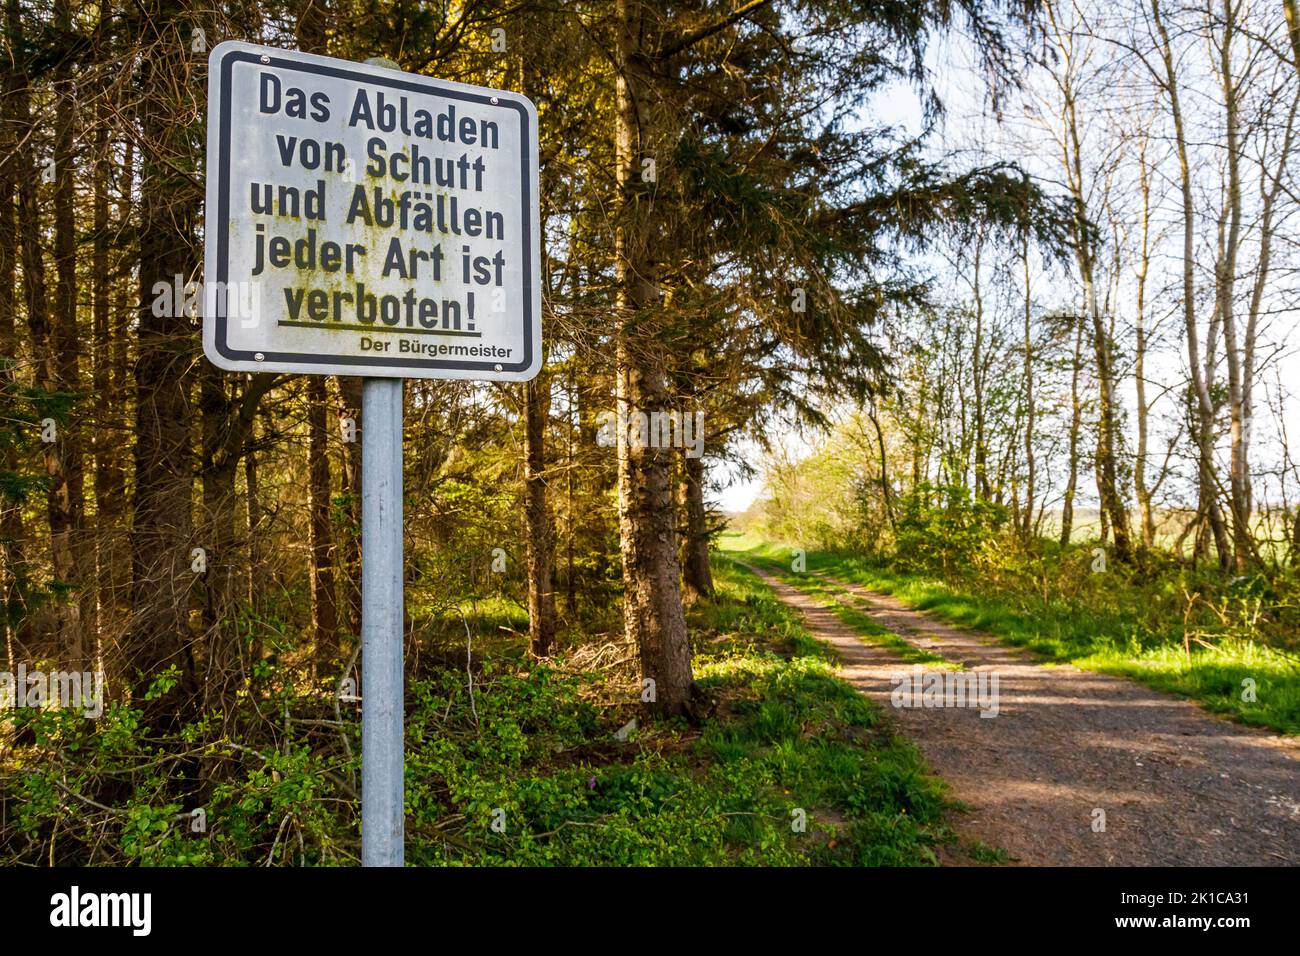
{"x":945,"y":528}
{"x":22,"y":409}
{"x":531,"y":747}
{"x":57,"y":790}
{"x":794,"y":736}
{"x":806,"y":501}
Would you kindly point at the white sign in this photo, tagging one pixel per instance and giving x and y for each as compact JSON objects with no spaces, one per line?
{"x":365,"y":221}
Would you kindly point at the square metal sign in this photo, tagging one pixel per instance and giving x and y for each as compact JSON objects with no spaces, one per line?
{"x":365,"y":221}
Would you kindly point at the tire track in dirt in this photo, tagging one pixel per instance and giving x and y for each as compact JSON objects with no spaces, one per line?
{"x":1178,"y":785}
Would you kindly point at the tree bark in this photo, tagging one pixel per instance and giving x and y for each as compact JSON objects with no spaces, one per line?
{"x":652,"y":603}
{"x":29,"y":242}
{"x":324,"y":600}
{"x":102,"y":444}
{"x":697,"y":576}
{"x":1270,"y":191}
{"x":1031,"y":475}
{"x":540,"y":527}
{"x":1289,"y":8}
{"x":66,"y":463}
{"x":252,"y":521}
{"x":1140,"y":488}
{"x":570,"y":526}
{"x":1076,"y":420}
{"x":1114,"y":514}
{"x":540,"y":541}
{"x":1204,"y":408}
{"x":1225,"y":276}
{"x":12,"y":569}
{"x":228,"y":423}
{"x":977,"y":381}
{"x":350,"y":424}
{"x":112,"y":316}
{"x":161,"y":530}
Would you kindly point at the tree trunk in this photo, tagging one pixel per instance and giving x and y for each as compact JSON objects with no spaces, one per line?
{"x":227,"y":424}
{"x":252,"y":521}
{"x":977,"y":381}
{"x":1030,"y":464}
{"x":1271,"y":192}
{"x":161,"y":513}
{"x":324,"y":602}
{"x":1140,"y":488}
{"x":1114,"y":514}
{"x":12,"y":568}
{"x":216,"y":536}
{"x":1209,"y":506}
{"x":652,"y":603}
{"x":31,"y":252}
{"x":67,"y":491}
{"x":350,"y":428}
{"x":1225,"y":275}
{"x":1112,"y":502}
{"x":101,"y":445}
{"x":111,"y":464}
{"x":697,"y":577}
{"x":570,"y":526}
{"x":1076,"y":420}
{"x":1289,"y":7}
{"x":540,"y":537}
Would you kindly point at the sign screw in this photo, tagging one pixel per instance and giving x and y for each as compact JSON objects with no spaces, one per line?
{"x":258,"y":356}
{"x":498,"y":368}
{"x":495,"y":101}
{"x":265,"y":58}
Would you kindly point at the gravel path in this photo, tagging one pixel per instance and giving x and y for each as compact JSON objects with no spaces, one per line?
{"x":1178,"y":785}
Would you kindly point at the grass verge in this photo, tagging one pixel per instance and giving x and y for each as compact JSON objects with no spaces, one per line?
{"x":794,"y":768}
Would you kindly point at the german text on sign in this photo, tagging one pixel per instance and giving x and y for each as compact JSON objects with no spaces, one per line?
{"x":364,"y":221}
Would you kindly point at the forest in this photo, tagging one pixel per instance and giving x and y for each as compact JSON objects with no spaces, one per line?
{"x":932,"y":339}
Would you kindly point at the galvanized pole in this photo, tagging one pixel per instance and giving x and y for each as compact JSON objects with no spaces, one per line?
{"x":382,"y":685}
{"x":383,"y":689}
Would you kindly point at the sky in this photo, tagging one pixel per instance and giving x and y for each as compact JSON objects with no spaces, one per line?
{"x":967,"y":121}
{"x":897,"y":105}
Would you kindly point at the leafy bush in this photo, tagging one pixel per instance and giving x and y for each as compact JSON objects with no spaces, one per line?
{"x":944,"y":529}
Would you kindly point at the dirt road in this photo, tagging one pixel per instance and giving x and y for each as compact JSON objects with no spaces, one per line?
{"x":1177,"y":785}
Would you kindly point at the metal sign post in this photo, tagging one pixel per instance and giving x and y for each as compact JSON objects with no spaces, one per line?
{"x":382,"y":604}
{"x":365,"y":221}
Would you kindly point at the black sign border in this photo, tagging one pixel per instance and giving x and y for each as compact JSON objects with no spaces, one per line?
{"x":228,"y":60}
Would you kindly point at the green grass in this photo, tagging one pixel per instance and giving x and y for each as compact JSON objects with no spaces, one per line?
{"x":530,"y":749}
{"x":840,"y":602}
{"x":1107,"y":640}
{"x":790,"y":742}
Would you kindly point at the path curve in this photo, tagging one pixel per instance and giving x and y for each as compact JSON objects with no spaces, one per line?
{"x":1178,"y":785}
